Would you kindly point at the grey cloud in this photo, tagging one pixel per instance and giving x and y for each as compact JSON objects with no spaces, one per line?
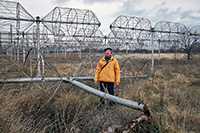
{"x":186,"y":14}
{"x":97,"y":1}
{"x":163,"y":3}
{"x":86,"y":1}
{"x":129,"y":9}
{"x":162,"y":11}
{"x":178,"y":15}
{"x":159,"y":13}
{"x":60,"y":1}
{"x":189,"y":18}
{"x":165,"y":14}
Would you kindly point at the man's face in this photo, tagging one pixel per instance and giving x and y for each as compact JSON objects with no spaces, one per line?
{"x":108,"y":53}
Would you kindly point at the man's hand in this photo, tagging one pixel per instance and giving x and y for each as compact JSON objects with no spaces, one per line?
{"x":95,"y":82}
{"x":117,"y":83}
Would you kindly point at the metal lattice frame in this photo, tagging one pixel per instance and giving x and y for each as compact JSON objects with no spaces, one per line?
{"x":133,"y":31}
{"x":125,"y":27}
{"x":113,"y":42}
{"x":166,"y":31}
{"x":60,"y":24}
{"x":70,"y":21}
{"x":77,"y":29}
{"x":13,"y":13}
{"x":14,"y":19}
{"x":195,"y":32}
{"x":94,"y":41}
{"x":191,"y":40}
{"x":168,"y":34}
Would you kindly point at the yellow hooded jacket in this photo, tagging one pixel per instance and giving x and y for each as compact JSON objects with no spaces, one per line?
{"x":110,"y":73}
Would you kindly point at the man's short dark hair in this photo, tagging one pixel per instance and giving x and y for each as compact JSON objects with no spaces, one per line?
{"x":108,"y":49}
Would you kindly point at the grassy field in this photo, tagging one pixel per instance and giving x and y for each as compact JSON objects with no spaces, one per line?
{"x":172,"y":93}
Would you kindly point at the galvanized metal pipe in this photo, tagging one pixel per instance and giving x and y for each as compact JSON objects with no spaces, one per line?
{"x":29,"y":80}
{"x":159,"y":49}
{"x":152,"y":50}
{"x":55,"y":79}
{"x":12,"y":54}
{"x":42,"y":64}
{"x":38,"y":46}
{"x":23,"y":48}
{"x":128,"y":103}
{"x":18,"y":28}
{"x":31,"y":68}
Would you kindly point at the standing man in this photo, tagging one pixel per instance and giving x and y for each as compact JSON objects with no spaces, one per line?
{"x":107,"y":72}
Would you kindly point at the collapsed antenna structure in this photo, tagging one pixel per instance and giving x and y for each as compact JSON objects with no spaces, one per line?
{"x":53,"y":31}
{"x":75,"y":30}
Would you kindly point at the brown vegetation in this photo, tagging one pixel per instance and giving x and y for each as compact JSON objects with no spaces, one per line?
{"x":171,"y":93}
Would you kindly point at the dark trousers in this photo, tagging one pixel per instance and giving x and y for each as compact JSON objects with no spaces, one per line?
{"x":110,"y":88}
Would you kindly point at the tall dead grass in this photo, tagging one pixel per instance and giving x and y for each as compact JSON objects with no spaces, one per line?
{"x":171,"y":93}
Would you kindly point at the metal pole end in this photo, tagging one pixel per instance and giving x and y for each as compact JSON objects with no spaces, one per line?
{"x":147,"y":113}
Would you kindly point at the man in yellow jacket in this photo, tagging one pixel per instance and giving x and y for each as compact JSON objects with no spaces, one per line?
{"x":107,"y":72}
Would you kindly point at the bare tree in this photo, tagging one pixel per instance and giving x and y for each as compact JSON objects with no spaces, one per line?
{"x":190,"y":40}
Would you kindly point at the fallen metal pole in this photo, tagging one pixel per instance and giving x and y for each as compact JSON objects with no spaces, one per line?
{"x":128,"y":103}
{"x":55,"y":79}
{"x":29,"y":80}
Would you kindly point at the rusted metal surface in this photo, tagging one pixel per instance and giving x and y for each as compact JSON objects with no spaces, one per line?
{"x":130,"y":127}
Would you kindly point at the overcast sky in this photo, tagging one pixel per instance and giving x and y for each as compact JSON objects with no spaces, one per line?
{"x":182,"y":11}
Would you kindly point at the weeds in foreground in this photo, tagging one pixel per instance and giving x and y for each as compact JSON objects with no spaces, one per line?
{"x":171,"y":93}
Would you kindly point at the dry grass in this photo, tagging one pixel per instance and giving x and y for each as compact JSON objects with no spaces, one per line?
{"x":171,"y":92}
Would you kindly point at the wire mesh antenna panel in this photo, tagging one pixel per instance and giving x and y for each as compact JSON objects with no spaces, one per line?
{"x":169,"y":31}
{"x":168,"y":35}
{"x":91,"y":42}
{"x":114,"y":42}
{"x":14,"y":19}
{"x":70,"y":21}
{"x":195,"y":33}
{"x":13,"y":13}
{"x":125,"y":27}
{"x":133,"y":31}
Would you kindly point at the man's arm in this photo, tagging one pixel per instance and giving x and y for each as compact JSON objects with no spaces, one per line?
{"x":117,"y":73}
{"x":98,"y":70}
